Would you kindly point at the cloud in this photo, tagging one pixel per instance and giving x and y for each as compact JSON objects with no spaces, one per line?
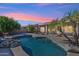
{"x":47,"y":4}
{"x":25,"y":17}
{"x":3,"y":7}
{"x":43,"y":4}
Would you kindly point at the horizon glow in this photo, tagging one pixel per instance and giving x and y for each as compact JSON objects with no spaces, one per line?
{"x":29,"y":13}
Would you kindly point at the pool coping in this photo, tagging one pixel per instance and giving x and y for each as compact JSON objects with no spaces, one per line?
{"x":18,"y":51}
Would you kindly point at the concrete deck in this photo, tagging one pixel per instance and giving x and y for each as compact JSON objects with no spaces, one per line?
{"x":64,"y":45}
{"x":18,"y":51}
{"x":5,"y":52}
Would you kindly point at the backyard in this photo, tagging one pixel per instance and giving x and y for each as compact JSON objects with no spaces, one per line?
{"x":59,"y":37}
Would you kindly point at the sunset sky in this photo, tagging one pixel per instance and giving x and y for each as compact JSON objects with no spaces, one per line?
{"x":35,"y":13}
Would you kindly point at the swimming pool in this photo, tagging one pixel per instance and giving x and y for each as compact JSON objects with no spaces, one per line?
{"x":40,"y":46}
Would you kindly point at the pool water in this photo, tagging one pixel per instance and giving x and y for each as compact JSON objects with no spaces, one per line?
{"x":40,"y":46}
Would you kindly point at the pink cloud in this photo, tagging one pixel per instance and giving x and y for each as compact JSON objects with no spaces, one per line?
{"x":25,"y":17}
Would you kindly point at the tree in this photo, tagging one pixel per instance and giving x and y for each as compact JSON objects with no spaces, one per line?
{"x":30,"y":28}
{"x":73,"y":19}
{"x":8,"y":24}
{"x":57,"y":24}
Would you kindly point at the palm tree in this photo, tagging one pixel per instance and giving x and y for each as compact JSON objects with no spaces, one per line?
{"x":71,"y":18}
